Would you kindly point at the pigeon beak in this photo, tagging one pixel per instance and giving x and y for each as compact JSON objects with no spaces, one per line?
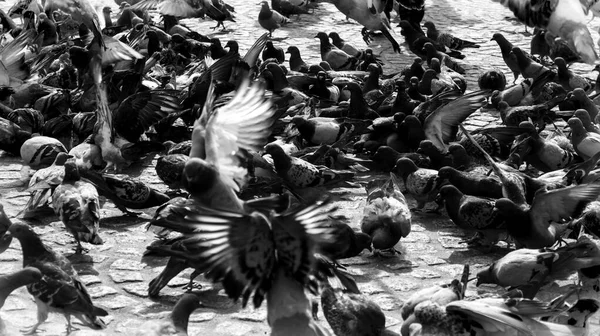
{"x":370,"y":249}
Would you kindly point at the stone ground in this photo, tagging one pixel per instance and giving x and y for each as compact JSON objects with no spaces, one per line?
{"x":117,"y":276}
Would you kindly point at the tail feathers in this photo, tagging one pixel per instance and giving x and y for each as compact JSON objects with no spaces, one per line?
{"x":92,"y":321}
{"x":37,"y":199}
{"x":96,"y":240}
{"x":580,"y":39}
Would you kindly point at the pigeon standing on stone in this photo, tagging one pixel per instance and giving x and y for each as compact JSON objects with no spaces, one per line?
{"x":60,"y":289}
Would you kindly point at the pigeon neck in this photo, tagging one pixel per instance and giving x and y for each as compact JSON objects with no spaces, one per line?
{"x":432,"y":33}
{"x":107,"y":19}
{"x":33,"y":248}
{"x":325,"y":46}
{"x":453,"y":205}
{"x":169,"y":22}
{"x":505,"y":46}
{"x":180,"y":315}
{"x":279,"y":81}
{"x":282,"y":161}
{"x":358,"y":104}
{"x":265,"y":13}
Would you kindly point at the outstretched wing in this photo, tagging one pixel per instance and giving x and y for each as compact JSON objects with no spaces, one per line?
{"x":243,"y":123}
{"x":441,"y":126}
{"x":238,"y":248}
{"x":296,"y":233}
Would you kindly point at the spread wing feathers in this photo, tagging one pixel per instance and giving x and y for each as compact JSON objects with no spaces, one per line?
{"x":496,"y":317}
{"x":141,"y":110}
{"x":177,"y":8}
{"x":239,"y":249}
{"x":12,"y":59}
{"x":104,"y":120}
{"x":252,"y":55}
{"x":296,"y":233}
{"x":560,"y":204}
{"x":146,"y":5}
{"x":47,"y":55}
{"x":564,"y":18}
{"x":117,"y":51}
{"x":441,"y":126}
{"x":243,"y":123}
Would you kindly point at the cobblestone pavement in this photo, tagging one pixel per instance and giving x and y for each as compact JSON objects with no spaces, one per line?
{"x":117,"y":277}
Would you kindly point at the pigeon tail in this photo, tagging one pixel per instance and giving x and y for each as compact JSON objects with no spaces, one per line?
{"x":580,"y":40}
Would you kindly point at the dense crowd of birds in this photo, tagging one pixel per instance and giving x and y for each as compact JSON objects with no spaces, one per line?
{"x":250,"y":145}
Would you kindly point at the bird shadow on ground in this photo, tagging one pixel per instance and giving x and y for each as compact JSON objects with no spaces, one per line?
{"x":122,"y":222}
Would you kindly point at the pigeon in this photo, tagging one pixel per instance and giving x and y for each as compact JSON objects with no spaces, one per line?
{"x":270,"y":19}
{"x":43,"y":182}
{"x":447,"y":39}
{"x":350,"y":313}
{"x":529,"y":269}
{"x":302,"y":174}
{"x":177,"y":324}
{"x":565,"y":18}
{"x":212,"y":174}
{"x":386,"y":217}
{"x":585,"y":143}
{"x":60,"y":289}
{"x":77,"y":205}
{"x":422,"y":183}
{"x":474,"y":213}
{"x":124,"y":192}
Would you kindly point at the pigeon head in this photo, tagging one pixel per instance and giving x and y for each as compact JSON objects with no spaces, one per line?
{"x":199,"y":175}
{"x":446,"y":172}
{"x":232,"y":45}
{"x":560,"y":62}
{"x":575,"y":124}
{"x":61,"y":158}
{"x":106,"y":10}
{"x":449,"y":192}
{"x":485,"y":276}
{"x":364,"y":241}
{"x":325,"y":65}
{"x":322,"y":36}
{"x":22,"y":231}
{"x":429,"y":25}
{"x":404,"y":167}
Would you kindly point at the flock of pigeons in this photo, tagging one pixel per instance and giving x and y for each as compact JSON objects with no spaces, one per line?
{"x":250,"y":145}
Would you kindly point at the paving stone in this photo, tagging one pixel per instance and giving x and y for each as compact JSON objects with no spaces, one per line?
{"x":118,"y":302}
{"x":90,"y":279}
{"x":125,"y":276}
{"x":137,"y":289}
{"x":434,"y":247}
{"x":252,"y":316}
{"x":126,"y":265}
{"x":101,"y":291}
{"x":202,"y":317}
